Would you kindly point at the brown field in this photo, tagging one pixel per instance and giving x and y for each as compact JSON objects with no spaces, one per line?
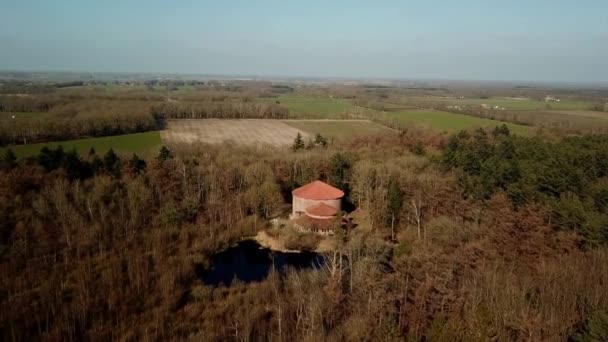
{"x":242,"y":132}
{"x":263,"y":132}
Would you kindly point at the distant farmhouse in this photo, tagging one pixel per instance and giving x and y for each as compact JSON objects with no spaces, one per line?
{"x":315,"y":207}
{"x":550,"y":98}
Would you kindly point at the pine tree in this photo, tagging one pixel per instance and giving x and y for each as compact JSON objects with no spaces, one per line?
{"x":339,"y":168}
{"x":9,"y":159}
{"x":111,"y":163}
{"x":73,"y":165}
{"x":164,"y":154}
{"x":51,"y":159}
{"x":298,"y":143}
{"x":96,"y":164}
{"x":501,"y":130}
{"x":419,"y":149}
{"x":320,"y":140}
{"x":136,"y":164}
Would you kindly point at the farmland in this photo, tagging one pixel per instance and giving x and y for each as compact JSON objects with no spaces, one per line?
{"x":141,"y":143}
{"x":263,"y":132}
{"x":396,"y":116}
{"x":313,"y":107}
{"x":582,"y":113}
{"x":445,"y":121}
{"x":340,"y":128}
{"x":242,"y":132}
{"x":509,"y":103}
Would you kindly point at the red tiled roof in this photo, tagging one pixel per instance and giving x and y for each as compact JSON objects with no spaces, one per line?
{"x":318,"y":190}
{"x":317,"y":224}
{"x":314,"y":224}
{"x":321,"y":209}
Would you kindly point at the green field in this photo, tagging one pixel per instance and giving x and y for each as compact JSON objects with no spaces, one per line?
{"x":312,"y":107}
{"x":510,"y":103}
{"x":339,"y":128}
{"x":318,"y":107}
{"x":447,"y":122}
{"x":147,"y":142}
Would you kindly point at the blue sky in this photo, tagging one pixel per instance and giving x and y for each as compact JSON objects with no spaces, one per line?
{"x":533,"y":40}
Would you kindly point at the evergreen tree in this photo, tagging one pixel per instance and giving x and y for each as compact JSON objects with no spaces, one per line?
{"x":164,"y":154}
{"x":419,"y":149}
{"x":394,"y":202}
{"x":339,"y":168}
{"x":136,"y":164}
{"x":51,"y":159}
{"x":111,"y":163}
{"x":96,"y":164}
{"x":298,"y":143}
{"x":320,"y":140}
{"x":9,"y":159}
{"x":73,"y":165}
{"x":501,"y":130}
{"x":594,"y":329}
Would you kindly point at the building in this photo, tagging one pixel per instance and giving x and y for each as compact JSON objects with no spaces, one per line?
{"x":315,"y":206}
{"x":550,"y":98}
{"x":315,"y":193}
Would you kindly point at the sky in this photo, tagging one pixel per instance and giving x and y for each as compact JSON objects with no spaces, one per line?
{"x":515,"y":40}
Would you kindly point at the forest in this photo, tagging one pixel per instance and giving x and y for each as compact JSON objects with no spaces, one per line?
{"x":479,"y":235}
{"x":304,"y":171}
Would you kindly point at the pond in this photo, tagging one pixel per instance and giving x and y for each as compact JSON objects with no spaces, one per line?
{"x":249,"y":262}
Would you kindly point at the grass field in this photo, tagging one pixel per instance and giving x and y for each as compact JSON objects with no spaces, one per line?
{"x":148,"y":142}
{"x":339,"y":128}
{"x":308,"y":107}
{"x":447,"y":122}
{"x":510,"y":103}
{"x":312,"y":107}
{"x":582,"y":113}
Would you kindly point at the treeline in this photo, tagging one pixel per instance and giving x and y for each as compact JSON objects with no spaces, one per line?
{"x":25,"y":87}
{"x":221,"y":110}
{"x":79,"y":119}
{"x":76,"y":112}
{"x":29,"y":103}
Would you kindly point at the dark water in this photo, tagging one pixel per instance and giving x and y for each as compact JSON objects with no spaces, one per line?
{"x":248,"y":262}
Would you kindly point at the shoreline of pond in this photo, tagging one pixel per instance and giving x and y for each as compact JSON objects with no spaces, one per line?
{"x":248,"y":261}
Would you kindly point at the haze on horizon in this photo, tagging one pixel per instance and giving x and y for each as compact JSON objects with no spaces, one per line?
{"x":541,"y":41}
